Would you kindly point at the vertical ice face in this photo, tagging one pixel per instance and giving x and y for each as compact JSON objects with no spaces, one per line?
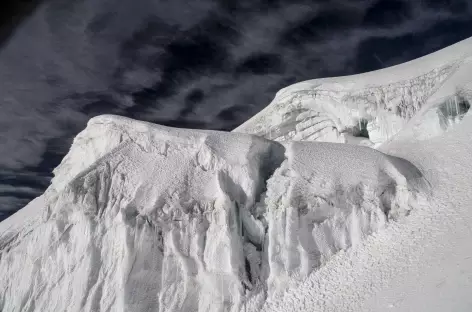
{"x":365,"y":109}
{"x":162,"y":219}
{"x":441,"y":115}
{"x":154,"y":218}
{"x":452,"y":110}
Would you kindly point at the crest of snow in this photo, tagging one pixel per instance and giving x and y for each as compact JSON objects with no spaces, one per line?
{"x":167,"y":219}
{"x":379,"y":103}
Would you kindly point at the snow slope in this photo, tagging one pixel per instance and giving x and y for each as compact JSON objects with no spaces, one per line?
{"x":424,"y":262}
{"x":376,"y":105}
{"x":141,"y":217}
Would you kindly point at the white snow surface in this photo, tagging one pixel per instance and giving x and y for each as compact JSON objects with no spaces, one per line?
{"x":142,"y":217}
{"x":380,"y":102}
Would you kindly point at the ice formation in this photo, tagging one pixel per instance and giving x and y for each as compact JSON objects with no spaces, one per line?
{"x":368,"y":109}
{"x":142,"y":217}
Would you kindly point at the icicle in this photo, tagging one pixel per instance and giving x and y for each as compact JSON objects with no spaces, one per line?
{"x":448,"y":105}
{"x":457,"y":106}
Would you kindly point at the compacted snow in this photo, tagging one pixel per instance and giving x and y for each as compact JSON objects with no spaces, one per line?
{"x":142,"y":217}
{"x":370,"y":108}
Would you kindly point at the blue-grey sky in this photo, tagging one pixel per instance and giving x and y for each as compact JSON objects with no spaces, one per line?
{"x":198,"y":64}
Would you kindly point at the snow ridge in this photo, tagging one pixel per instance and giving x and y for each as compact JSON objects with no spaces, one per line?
{"x":162,"y":219}
{"x":325,"y":112}
{"x":367,"y":109}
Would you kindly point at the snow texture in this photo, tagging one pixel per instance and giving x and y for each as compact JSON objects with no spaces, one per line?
{"x":142,"y":217}
{"x":366,"y":109}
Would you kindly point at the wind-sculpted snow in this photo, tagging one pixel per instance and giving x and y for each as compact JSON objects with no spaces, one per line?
{"x":141,"y":217}
{"x":318,"y":203}
{"x":367,"y":109}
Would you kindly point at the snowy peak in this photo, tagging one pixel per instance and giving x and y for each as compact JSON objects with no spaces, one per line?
{"x":366,"y":109}
{"x":113,"y":135}
{"x":181,"y":201}
{"x":142,"y":217}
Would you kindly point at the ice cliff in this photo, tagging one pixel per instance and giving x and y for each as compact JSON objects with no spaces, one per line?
{"x":371,"y":108}
{"x":141,"y":217}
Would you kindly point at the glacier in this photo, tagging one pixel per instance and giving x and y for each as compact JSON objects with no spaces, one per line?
{"x":278,"y":215}
{"x":371,"y":108}
{"x":142,"y":217}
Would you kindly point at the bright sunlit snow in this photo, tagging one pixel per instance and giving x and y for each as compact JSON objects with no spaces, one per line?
{"x":141,"y":217}
{"x":371,"y":108}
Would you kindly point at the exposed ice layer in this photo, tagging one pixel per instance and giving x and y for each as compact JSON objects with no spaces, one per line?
{"x":441,"y":115}
{"x":163,"y":216}
{"x":332,"y":109}
{"x":141,"y":217}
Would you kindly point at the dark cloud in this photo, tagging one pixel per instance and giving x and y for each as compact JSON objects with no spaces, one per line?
{"x":376,"y":52}
{"x":260,"y":64}
{"x":319,"y":26}
{"x":453,"y":6}
{"x":194,"y":64}
{"x":387,"y":13}
{"x":12,"y":13}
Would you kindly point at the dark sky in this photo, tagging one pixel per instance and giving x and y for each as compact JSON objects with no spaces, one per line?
{"x":197,"y":64}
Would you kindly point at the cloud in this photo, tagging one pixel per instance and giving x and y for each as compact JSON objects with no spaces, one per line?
{"x":200,"y":64}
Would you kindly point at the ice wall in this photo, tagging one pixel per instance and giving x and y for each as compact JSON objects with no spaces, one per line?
{"x":141,"y":217}
{"x":367,"y":109}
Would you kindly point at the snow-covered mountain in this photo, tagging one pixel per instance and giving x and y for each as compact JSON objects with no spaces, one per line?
{"x":376,"y":105}
{"x":142,"y":217}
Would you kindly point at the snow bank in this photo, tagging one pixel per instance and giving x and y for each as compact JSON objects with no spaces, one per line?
{"x":141,"y":217}
{"x":329,"y":197}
